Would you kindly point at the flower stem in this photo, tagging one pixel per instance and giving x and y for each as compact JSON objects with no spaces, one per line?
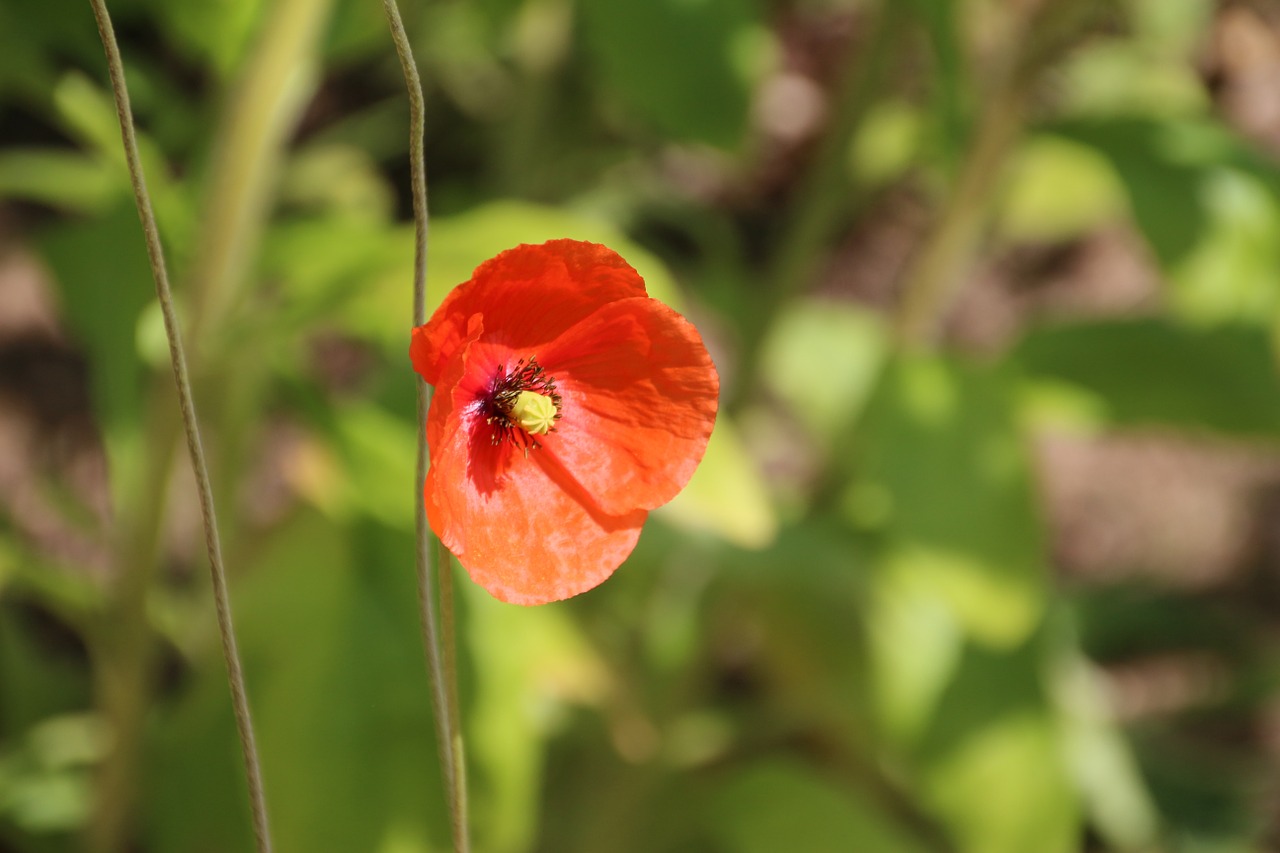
{"x":195,"y":447}
{"x":438,"y":633}
{"x":456,"y":746}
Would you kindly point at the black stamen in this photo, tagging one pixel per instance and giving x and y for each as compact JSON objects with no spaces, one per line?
{"x":505,"y":389}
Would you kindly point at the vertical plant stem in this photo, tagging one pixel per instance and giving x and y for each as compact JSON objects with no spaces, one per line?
{"x":195,"y":447}
{"x":263,"y":108}
{"x":934,"y":275}
{"x":121,"y":642}
{"x":931,"y":283}
{"x":449,"y":661}
{"x":438,"y":632}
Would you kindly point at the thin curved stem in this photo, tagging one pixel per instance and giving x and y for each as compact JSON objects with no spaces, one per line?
{"x":456,"y":746}
{"x":437,"y":631}
{"x":195,"y":447}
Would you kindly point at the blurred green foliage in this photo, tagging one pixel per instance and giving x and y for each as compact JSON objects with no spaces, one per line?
{"x":856,"y":629}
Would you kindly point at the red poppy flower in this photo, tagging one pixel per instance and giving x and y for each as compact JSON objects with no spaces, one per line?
{"x":567,"y":405}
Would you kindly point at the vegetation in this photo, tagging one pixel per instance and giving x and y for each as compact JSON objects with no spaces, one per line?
{"x":982,"y":554}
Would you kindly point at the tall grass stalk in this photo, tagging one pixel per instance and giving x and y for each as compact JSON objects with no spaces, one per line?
{"x":191,"y":426}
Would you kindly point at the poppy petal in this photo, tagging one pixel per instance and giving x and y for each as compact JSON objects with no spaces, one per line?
{"x":532,"y":293}
{"x":522,"y":527}
{"x":639,"y":401}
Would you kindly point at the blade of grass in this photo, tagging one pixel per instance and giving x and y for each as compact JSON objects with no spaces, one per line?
{"x":195,"y":447}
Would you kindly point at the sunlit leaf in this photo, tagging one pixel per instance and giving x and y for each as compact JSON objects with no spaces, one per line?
{"x":727,"y":495}
{"x":1232,"y":273}
{"x":1163,"y":188}
{"x":1152,"y":371}
{"x":822,"y":359}
{"x":59,"y":178}
{"x":379,"y":453}
{"x":531,"y":665}
{"x":87,"y":113}
{"x":1003,"y":789}
{"x":915,"y":642}
{"x":1100,"y":759}
{"x":943,"y":456}
{"x":1058,"y":189}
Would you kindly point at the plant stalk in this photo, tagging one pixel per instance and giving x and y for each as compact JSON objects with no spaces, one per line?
{"x":438,"y":632}
{"x":195,"y":447}
{"x":931,"y":283}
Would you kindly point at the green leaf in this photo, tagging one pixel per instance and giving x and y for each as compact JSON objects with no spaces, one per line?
{"x":1231,"y":272}
{"x":36,"y":39}
{"x":335,"y":269}
{"x":1153,"y":371}
{"x":379,"y":452}
{"x":360,"y":276}
{"x":105,"y":280}
{"x":332,"y":654}
{"x":1163,"y":187}
{"x":1208,"y":205}
{"x":779,"y":805}
{"x":58,"y":178}
{"x":218,"y":33}
{"x":1003,"y":789}
{"x":941,"y":21}
{"x":339,"y":178}
{"x":1110,"y":782}
{"x":671,"y":62}
{"x":945,"y":481}
{"x":87,"y":112}
{"x":994,"y":764}
{"x":1059,"y":189}
{"x":727,"y":495}
{"x":916,"y":642}
{"x":531,"y":664}
{"x":822,"y":359}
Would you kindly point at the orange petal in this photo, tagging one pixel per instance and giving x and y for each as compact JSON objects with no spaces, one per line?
{"x":640,"y":398}
{"x":532,"y":293}
{"x":523,"y":529}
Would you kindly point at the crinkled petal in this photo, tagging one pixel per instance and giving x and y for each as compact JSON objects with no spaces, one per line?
{"x":528,"y":296}
{"x":523,"y":528}
{"x":640,"y":397}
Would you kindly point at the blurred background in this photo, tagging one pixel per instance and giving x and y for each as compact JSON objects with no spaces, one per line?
{"x":983,"y":557}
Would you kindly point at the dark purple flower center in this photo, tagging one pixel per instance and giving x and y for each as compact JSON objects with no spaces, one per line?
{"x":500,"y":403}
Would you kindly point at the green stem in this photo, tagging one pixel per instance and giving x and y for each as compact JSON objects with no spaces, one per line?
{"x":438,"y":639}
{"x":195,"y":447}
{"x":456,"y":747}
{"x":932,"y":281}
{"x":263,"y":109}
{"x":120,"y":640}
